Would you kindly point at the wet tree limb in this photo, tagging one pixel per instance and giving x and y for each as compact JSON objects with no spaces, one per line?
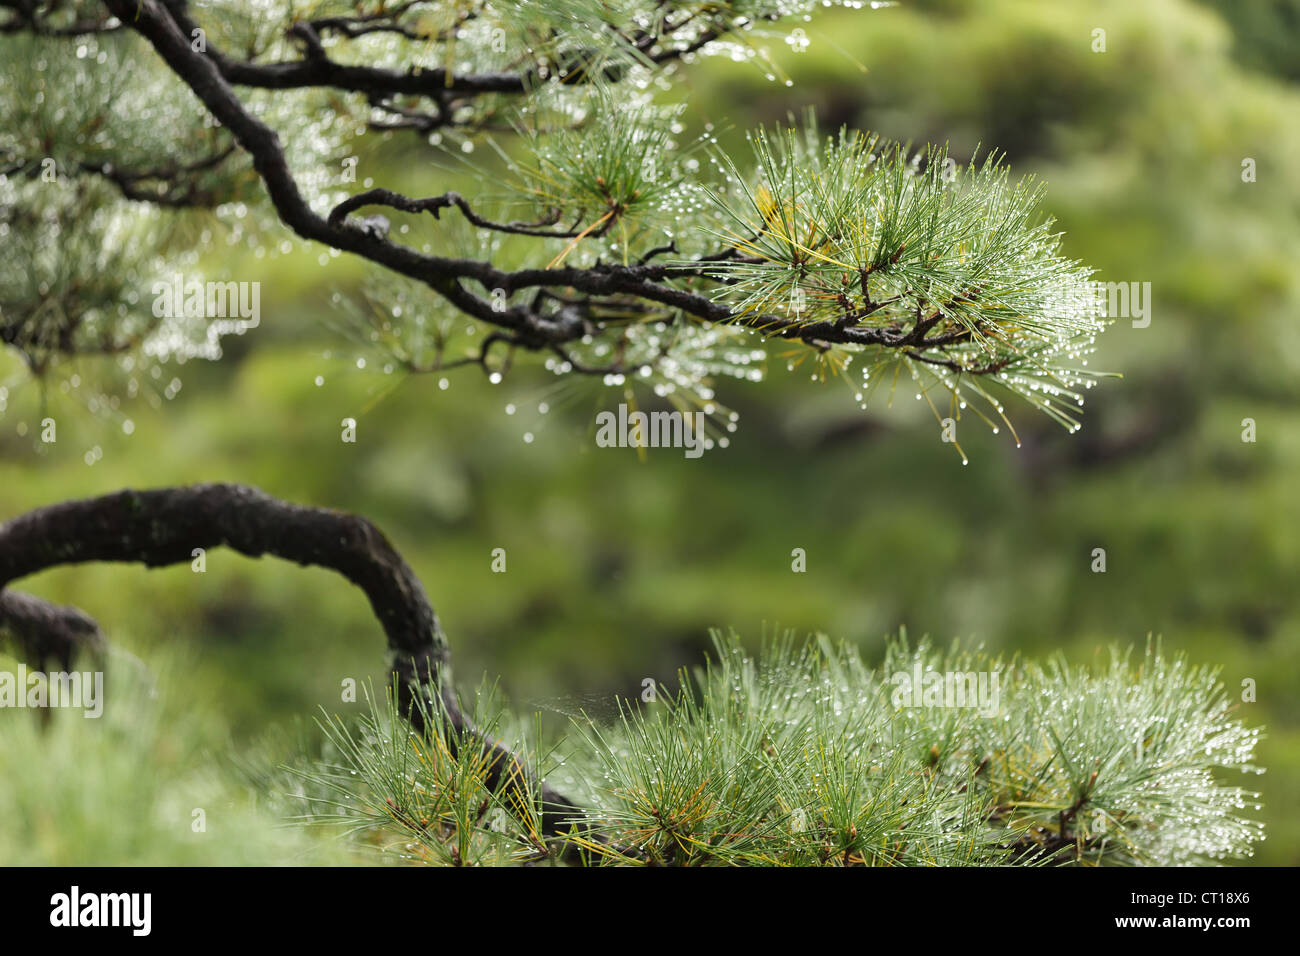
{"x":166,"y":526}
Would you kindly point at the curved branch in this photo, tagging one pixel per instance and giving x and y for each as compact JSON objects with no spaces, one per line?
{"x":165,"y":526}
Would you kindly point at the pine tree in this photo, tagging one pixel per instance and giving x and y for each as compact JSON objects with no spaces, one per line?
{"x":599,"y":243}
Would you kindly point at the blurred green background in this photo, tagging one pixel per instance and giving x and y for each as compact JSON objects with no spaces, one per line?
{"x":617,"y":567}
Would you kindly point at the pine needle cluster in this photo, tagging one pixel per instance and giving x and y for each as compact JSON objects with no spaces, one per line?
{"x":805,"y":755}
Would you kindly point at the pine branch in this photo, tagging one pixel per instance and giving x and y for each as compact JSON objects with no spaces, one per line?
{"x":162,"y":527}
{"x":804,"y":755}
{"x":850,"y":247}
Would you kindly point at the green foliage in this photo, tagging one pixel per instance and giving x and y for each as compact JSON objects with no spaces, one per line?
{"x":864,"y":240}
{"x":603,"y":172}
{"x":410,"y":795}
{"x":807,"y":756}
{"x":856,"y":232}
{"x":617,"y":568}
{"x":95,"y":137}
{"x":124,"y":789}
